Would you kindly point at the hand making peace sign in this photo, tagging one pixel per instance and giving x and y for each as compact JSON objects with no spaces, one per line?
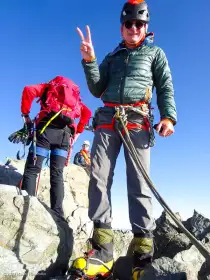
{"x":86,"y":46}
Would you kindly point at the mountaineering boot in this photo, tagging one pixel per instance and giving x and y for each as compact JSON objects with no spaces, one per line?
{"x":141,"y":249}
{"x":99,"y":260}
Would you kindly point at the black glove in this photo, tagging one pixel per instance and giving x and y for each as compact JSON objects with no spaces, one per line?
{"x":21,"y":135}
{"x":24,"y":135}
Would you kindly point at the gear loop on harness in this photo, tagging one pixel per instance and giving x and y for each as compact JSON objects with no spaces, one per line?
{"x":124,"y":110}
{"x":145,"y":111}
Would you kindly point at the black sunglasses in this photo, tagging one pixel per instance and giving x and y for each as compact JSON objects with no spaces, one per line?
{"x":138,"y":24}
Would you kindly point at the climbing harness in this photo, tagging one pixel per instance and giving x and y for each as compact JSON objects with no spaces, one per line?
{"x":121,"y":125}
{"x":33,"y":134}
{"x":141,"y":108}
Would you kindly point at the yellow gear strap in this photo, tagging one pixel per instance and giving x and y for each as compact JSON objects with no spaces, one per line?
{"x":55,"y":116}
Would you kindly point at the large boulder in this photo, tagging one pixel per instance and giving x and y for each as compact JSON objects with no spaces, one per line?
{"x":171,"y":243}
{"x":192,"y":259}
{"x":11,"y":174}
{"x":198,"y":225}
{"x":75,"y":203}
{"x":76,"y":218}
{"x":167,"y":237}
{"x":33,"y":239}
{"x":166,"y":269}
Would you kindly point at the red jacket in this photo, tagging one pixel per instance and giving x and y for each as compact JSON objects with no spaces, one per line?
{"x":36,"y":91}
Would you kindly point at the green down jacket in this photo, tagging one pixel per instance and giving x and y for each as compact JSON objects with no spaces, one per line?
{"x":128,"y":76}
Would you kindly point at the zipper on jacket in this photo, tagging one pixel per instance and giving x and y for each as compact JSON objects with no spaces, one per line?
{"x":123,"y":83}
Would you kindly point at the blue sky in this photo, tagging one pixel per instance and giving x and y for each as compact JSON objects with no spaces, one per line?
{"x":39,"y":41}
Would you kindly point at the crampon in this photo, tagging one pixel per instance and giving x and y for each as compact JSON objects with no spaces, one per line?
{"x":77,"y":274}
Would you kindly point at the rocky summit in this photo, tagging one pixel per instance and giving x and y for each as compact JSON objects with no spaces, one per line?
{"x":36,"y":243}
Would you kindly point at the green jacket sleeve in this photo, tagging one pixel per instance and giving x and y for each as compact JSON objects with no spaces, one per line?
{"x":164,"y":87}
{"x":96,"y":76}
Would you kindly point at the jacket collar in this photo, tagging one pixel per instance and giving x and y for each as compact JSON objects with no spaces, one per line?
{"x":149,"y":40}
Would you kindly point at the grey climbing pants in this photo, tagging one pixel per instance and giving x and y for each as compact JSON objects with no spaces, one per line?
{"x":105,"y":149}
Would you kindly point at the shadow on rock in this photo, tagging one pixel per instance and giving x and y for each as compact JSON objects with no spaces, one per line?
{"x":20,"y":233}
{"x":59,"y":267}
{"x":204,"y":273}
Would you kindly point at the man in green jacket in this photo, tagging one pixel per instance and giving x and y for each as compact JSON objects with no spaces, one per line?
{"x":126,"y":77}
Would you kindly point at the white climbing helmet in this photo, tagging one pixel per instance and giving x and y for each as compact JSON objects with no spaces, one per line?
{"x":86,"y":142}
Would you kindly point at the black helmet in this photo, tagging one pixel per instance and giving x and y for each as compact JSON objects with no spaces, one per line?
{"x":135,"y":10}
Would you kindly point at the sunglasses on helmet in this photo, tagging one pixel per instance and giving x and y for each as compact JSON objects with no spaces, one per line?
{"x":138,"y":24}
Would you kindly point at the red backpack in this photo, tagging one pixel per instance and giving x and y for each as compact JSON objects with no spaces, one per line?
{"x":62,"y":97}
